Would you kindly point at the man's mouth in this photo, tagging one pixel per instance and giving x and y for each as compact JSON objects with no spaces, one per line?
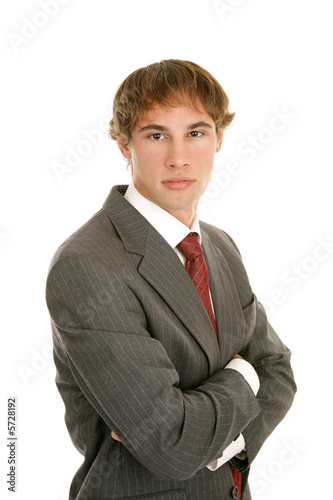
{"x":178,"y":182}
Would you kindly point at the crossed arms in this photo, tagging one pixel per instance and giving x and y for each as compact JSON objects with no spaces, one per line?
{"x":103,"y":345}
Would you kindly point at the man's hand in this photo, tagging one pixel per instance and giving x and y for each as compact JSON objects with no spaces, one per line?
{"x":115,"y":436}
{"x":238,"y":356}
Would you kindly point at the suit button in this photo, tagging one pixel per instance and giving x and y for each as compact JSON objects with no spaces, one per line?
{"x":234,"y":492}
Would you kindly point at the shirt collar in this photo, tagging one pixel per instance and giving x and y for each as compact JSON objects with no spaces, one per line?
{"x":170,"y":228}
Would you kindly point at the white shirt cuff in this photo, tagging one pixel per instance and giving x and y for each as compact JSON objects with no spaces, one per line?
{"x":233,"y":449}
{"x":248,"y":372}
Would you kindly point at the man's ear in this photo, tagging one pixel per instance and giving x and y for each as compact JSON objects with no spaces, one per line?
{"x":123,"y":145}
{"x":219,"y":140}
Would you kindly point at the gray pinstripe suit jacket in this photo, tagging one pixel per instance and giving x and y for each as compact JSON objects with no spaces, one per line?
{"x":135,"y":352}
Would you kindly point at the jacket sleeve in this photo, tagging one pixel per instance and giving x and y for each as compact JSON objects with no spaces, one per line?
{"x":271,"y":360}
{"x":128,"y":378}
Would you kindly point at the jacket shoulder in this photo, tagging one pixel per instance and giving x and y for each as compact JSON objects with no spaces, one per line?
{"x":90,"y":240}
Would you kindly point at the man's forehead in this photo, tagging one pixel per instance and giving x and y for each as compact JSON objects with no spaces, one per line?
{"x":162,"y":112}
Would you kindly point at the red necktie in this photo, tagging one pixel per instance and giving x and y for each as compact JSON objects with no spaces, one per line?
{"x":197,"y":269}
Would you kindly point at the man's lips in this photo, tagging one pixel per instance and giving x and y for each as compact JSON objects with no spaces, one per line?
{"x":178,"y":182}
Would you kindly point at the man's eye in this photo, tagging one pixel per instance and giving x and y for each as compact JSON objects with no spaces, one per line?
{"x":156,"y":137}
{"x":195,"y":133}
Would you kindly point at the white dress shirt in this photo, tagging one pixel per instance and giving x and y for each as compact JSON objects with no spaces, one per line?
{"x":174,"y":231}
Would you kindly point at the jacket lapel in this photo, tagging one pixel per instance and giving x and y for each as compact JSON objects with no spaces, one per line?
{"x":228,"y":312}
{"x":161,"y":267}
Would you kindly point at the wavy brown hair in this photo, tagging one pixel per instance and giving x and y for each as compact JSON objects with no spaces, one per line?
{"x":170,"y":82}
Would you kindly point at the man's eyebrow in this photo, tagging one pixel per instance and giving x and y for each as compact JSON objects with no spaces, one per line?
{"x":153,"y":126}
{"x":161,"y":128}
{"x":199,"y":125}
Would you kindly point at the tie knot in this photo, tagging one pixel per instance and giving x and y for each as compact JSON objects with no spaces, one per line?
{"x":190,"y":246}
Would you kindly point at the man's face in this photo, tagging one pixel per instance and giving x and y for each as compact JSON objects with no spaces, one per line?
{"x":172,"y":153}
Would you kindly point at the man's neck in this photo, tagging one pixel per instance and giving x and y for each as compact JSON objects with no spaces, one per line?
{"x":185,"y":216}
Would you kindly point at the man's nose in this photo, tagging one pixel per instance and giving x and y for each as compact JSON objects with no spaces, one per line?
{"x":178,"y":154}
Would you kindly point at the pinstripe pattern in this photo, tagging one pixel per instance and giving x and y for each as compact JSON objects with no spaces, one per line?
{"x":132,"y":356}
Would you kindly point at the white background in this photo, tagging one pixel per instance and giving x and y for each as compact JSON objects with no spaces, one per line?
{"x":61,"y":65}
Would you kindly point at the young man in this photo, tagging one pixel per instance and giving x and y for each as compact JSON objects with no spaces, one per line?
{"x":171,"y":375}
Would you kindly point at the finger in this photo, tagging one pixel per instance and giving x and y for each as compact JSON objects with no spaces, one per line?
{"x":115,"y":436}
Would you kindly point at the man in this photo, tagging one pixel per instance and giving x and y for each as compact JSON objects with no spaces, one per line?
{"x":171,"y":375}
